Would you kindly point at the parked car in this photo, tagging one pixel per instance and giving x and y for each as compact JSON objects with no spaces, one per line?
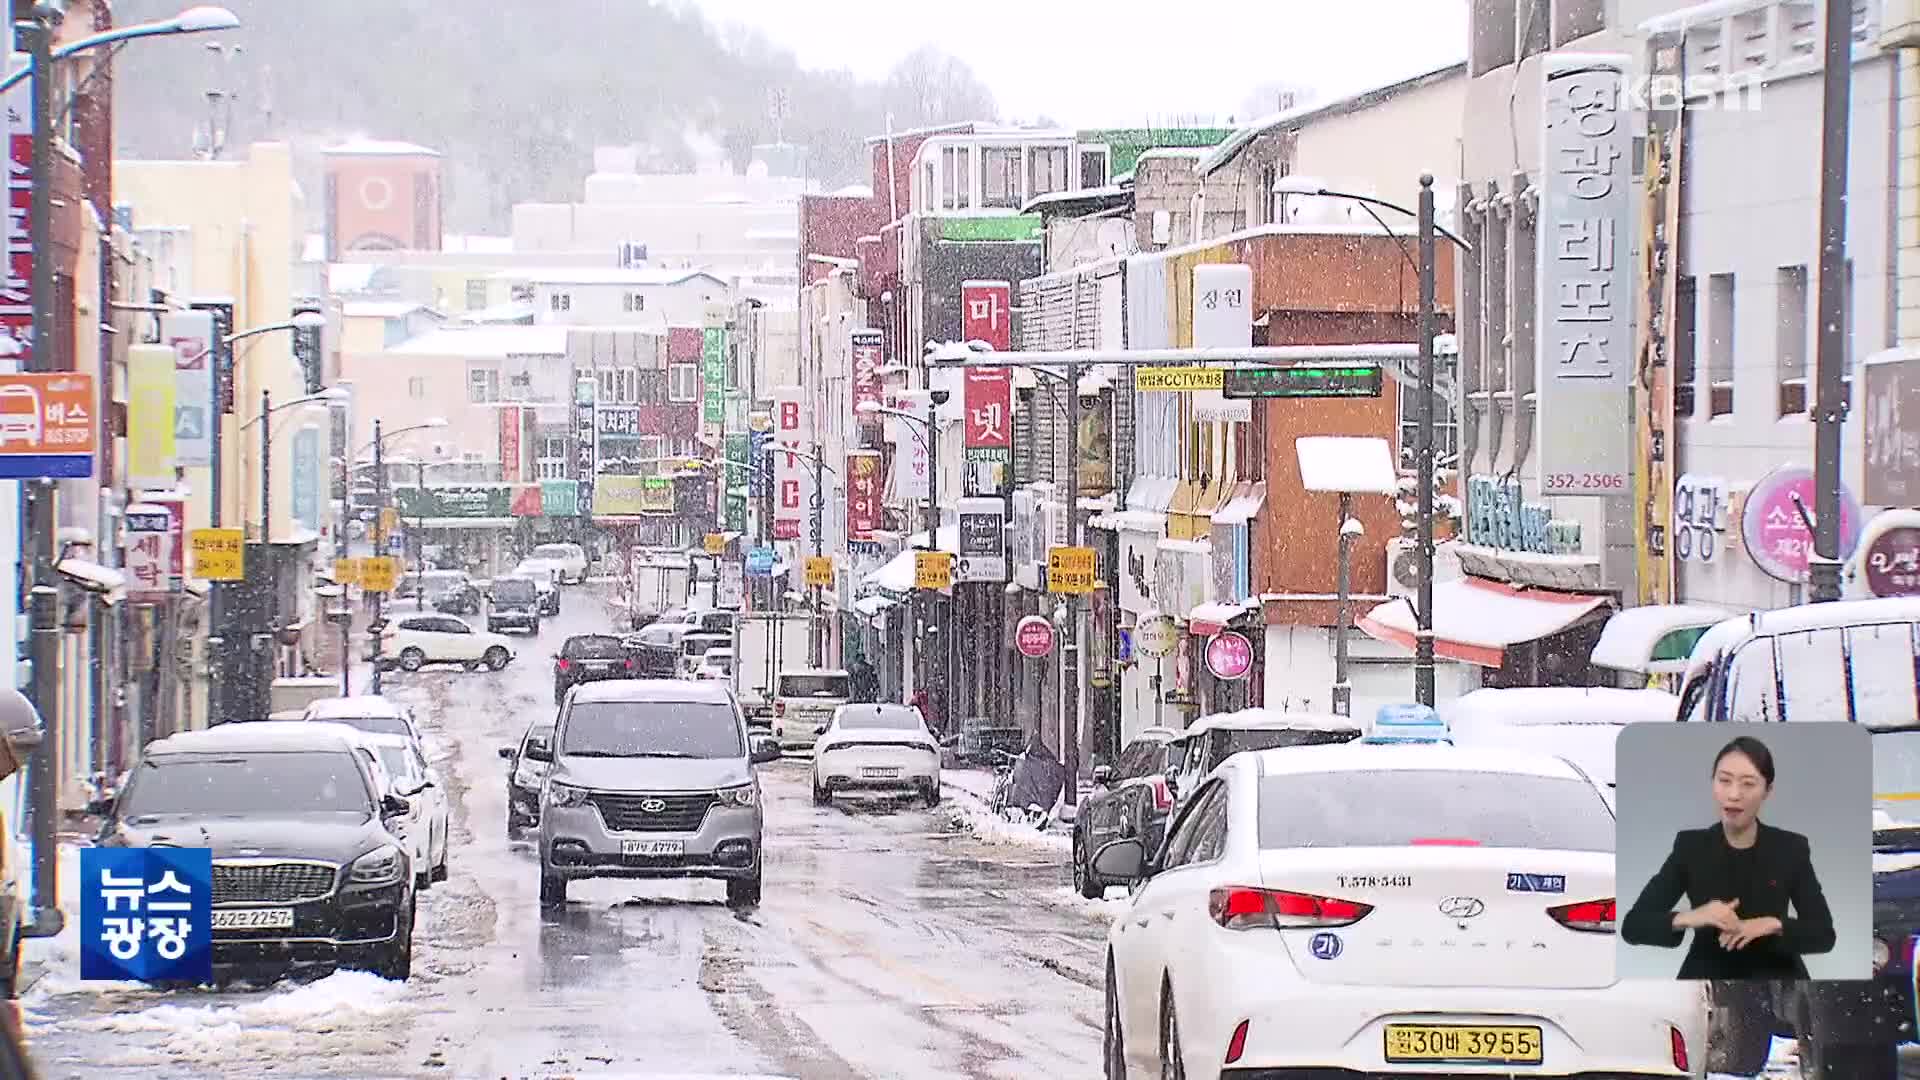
{"x":1302,"y":919}
{"x":373,"y":714}
{"x":513,"y":604}
{"x":527,"y":762}
{"x":569,"y":559}
{"x":717,"y":664}
{"x":451,"y":591}
{"x":425,"y":826}
{"x":656,"y":650}
{"x":1211,"y":740}
{"x":653,"y":779}
{"x":307,"y":864}
{"x":1578,"y":723}
{"x":804,"y":701}
{"x":414,"y":641}
{"x":585,"y":658}
{"x":876,"y":748}
{"x":1133,"y":799}
{"x":538,"y":569}
{"x":694,"y":646}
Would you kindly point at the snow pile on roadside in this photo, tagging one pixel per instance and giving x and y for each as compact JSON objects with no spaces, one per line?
{"x":967,"y":814}
{"x":1104,"y":910}
{"x":56,"y":960}
{"x":318,"y":1007}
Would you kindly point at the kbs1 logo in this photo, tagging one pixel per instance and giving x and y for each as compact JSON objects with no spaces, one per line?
{"x":146,"y":914}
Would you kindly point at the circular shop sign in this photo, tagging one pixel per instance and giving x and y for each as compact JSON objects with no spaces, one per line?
{"x":1156,"y":636}
{"x":1034,"y":637}
{"x":1229,"y":656}
{"x":1892,"y":562}
{"x":1777,"y":538}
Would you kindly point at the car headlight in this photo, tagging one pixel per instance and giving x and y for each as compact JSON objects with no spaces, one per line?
{"x":565,"y":795}
{"x":737,"y":796}
{"x":1881,"y":954}
{"x":381,"y":866}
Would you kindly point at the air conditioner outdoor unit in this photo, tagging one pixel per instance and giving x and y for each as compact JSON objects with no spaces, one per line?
{"x":1403,"y":566}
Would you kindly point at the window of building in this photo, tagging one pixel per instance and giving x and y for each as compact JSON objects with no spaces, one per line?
{"x":1490,"y":35}
{"x":550,"y":468}
{"x":927,"y":187}
{"x":653,"y":448}
{"x":956,"y":178}
{"x":1046,"y":170}
{"x":1684,"y":342}
{"x":1000,"y":177}
{"x":683,"y":383}
{"x":619,"y":386}
{"x":560,"y":301}
{"x":483,"y":385}
{"x":1790,"y":324}
{"x":633,"y":302}
{"x":1576,"y":19}
{"x":650,"y":386}
{"x":519,"y":387}
{"x":1093,"y":168}
{"x":476,"y":293}
{"x":417,"y":387}
{"x":1720,"y":345}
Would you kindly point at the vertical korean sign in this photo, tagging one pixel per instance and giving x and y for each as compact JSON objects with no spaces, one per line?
{"x":510,"y":444}
{"x":713,"y":374}
{"x":150,"y":552}
{"x":1222,"y":319}
{"x":863,"y":494}
{"x":1653,"y":479}
{"x":584,"y":439}
{"x":866,"y":352}
{"x":16,"y":297}
{"x":987,"y":393}
{"x":790,"y":477}
{"x":150,"y":416}
{"x":987,"y":313}
{"x":911,"y":474}
{"x":1585,"y":343}
{"x":306,"y":477}
{"x":190,"y":335}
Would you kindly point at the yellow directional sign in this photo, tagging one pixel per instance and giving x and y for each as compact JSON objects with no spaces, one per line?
{"x":932,"y":569}
{"x":218,"y":554}
{"x":346,"y":571}
{"x":389,"y":521}
{"x":379,"y":573}
{"x":716,"y":543}
{"x":1179,"y":380}
{"x":1070,"y":570}
{"x":820,"y":571}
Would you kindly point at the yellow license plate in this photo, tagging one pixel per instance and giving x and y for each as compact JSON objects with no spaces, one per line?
{"x":1445,"y":1043}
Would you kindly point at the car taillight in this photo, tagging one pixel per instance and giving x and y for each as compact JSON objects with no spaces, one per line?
{"x":632,"y":665}
{"x":1443,"y":841}
{"x":1162,"y":796}
{"x":1678,"y":1042}
{"x":560,"y":664}
{"x":1245,"y":908}
{"x":1592,"y":916}
{"x":779,"y":708}
{"x":1237,"y":1045}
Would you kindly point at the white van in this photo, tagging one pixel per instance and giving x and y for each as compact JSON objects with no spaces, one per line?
{"x":1579,"y":723}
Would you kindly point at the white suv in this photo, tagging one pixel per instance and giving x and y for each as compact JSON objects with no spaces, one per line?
{"x":570,"y":559}
{"x":414,"y":641}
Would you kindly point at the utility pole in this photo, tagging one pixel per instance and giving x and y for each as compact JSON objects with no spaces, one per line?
{"x":344,"y":550}
{"x":937,"y":662}
{"x":221,"y":684}
{"x":44,"y":603}
{"x":377,"y":627}
{"x":1423,"y":688}
{"x":1342,"y":689}
{"x":1070,"y":634}
{"x":261,"y":686}
{"x":1830,"y":404}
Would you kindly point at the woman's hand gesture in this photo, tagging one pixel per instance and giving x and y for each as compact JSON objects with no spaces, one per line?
{"x":1721,"y":915}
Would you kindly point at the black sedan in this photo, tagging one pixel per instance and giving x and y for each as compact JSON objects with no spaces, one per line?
{"x":586,"y":658}
{"x":527,"y":763}
{"x":307,"y":865}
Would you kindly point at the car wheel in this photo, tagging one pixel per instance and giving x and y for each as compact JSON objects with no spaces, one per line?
{"x":496,"y":658}
{"x":395,"y":962}
{"x":931,"y":793}
{"x":1173,"y":1066}
{"x":553,"y":889}
{"x":412,"y":659}
{"x":1084,"y":883}
{"x":1113,"y":1042}
{"x":1740,"y":1028}
{"x":821,"y":796}
{"x":744,"y":892}
{"x":440,"y":868}
{"x":10,"y":971}
{"x":423,"y":878}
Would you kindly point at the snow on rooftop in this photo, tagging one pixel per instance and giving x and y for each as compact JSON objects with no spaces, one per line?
{"x":606,"y":275}
{"x":380,"y":147}
{"x":350,"y":277}
{"x":496,"y":341}
{"x":852,"y":191}
{"x":382,"y":309}
{"x":1274,"y":719}
{"x":475,"y":244}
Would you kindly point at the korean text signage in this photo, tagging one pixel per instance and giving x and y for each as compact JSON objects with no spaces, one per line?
{"x":932,"y":569}
{"x":1156,"y":637}
{"x":585,"y":442}
{"x":1584,"y":341}
{"x":380,"y":573}
{"x":1498,"y":517}
{"x":1699,"y":515}
{"x":866,"y":349}
{"x":790,"y":479}
{"x":146,"y":913}
{"x":760,"y":562}
{"x":1070,"y":570}
{"x":1222,"y":319}
{"x":983,"y":540}
{"x":47,"y":423}
{"x":912,"y":476}
{"x":1229,"y":656}
{"x":819,"y":571}
{"x":987,"y":313}
{"x":713,"y":374}
{"x":1654,"y":489}
{"x":306,"y":477}
{"x":190,"y":335}
{"x":1891,"y":562}
{"x":456,"y":501}
{"x":1892,"y":475}
{"x":219,"y":554}
{"x":150,"y":416}
{"x":863,"y":494}
{"x":150,"y":551}
{"x":757,"y":444}
{"x":1777,"y":537}
{"x":510,"y":444}
{"x":16,"y":297}
{"x":1033,"y":636}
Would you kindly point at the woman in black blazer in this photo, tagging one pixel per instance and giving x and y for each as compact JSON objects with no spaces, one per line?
{"x":1739,"y":878}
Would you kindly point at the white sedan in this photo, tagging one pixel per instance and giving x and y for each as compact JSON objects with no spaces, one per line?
{"x":1384,"y":909}
{"x":876,"y":748}
{"x":425,"y":826}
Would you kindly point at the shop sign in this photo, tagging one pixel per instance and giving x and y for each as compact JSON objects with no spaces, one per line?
{"x":983,"y":541}
{"x":150,"y":551}
{"x":1699,"y":515}
{"x":1229,"y":656}
{"x":1136,"y":569}
{"x":1499,"y":517}
{"x":1892,"y":431}
{"x":1888,"y":563}
{"x":1034,"y":637}
{"x":1776,"y":534}
{"x":1156,"y":637}
{"x":760,"y":562}
{"x":455,"y":501}
{"x":865,"y":347}
{"x":863,"y":493}
{"x":559,"y":498}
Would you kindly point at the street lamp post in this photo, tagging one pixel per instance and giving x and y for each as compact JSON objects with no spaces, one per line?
{"x":380,"y":506}
{"x":1070,"y":634}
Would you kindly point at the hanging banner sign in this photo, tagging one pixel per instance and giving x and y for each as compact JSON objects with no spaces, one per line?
{"x":792,"y":475}
{"x":1222,"y":319}
{"x":1033,"y":636}
{"x":863,"y":494}
{"x":510,"y":444}
{"x":983,"y":540}
{"x":912,"y":474}
{"x":988,"y":396}
{"x":987,"y":313}
{"x":150,"y":416}
{"x":1229,"y":656}
{"x":190,"y":335}
{"x":713,"y":374}
{"x":866,"y":349}
{"x":150,"y":554}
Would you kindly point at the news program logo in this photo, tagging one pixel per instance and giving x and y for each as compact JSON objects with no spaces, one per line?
{"x":146,"y":914}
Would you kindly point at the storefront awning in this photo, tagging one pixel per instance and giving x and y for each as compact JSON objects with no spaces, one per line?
{"x":872,"y":606}
{"x":1145,"y":521}
{"x":1475,"y":620}
{"x":1152,"y":494}
{"x":1209,"y":619}
{"x":1243,"y":507}
{"x":1656,"y":639}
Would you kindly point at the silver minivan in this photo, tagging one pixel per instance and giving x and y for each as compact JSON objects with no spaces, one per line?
{"x":653,"y":778}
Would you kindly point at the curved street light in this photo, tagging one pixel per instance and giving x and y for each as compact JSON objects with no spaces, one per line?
{"x":194,"y":20}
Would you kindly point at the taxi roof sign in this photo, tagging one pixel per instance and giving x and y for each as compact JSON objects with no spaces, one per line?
{"x":1408,"y":723}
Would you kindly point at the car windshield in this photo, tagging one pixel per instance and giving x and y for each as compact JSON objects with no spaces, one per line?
{"x":1397,"y":807}
{"x":593,"y":648}
{"x":895,"y":719}
{"x":814,"y":686}
{"x":680,"y":729}
{"x":698,"y":646}
{"x":514,"y":590}
{"x":264,"y":784}
{"x":1223,"y":743}
{"x":398,"y":763}
{"x":376,"y":724}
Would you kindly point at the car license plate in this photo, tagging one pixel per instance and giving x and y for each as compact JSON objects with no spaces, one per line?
{"x":1462,"y":1043}
{"x":881,"y":773}
{"x":253,"y":919}
{"x":652,"y":847}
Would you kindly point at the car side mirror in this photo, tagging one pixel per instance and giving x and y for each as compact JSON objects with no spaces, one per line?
{"x":539,"y":751}
{"x":1102,"y":774}
{"x":394,"y":805}
{"x":1121,"y":860}
{"x":101,"y":807}
{"x":821,"y":730}
{"x":764,"y":749}
{"x":507,"y":752}
{"x":422,"y":786}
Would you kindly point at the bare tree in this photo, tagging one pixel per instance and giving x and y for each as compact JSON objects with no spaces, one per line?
{"x":929,"y":86}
